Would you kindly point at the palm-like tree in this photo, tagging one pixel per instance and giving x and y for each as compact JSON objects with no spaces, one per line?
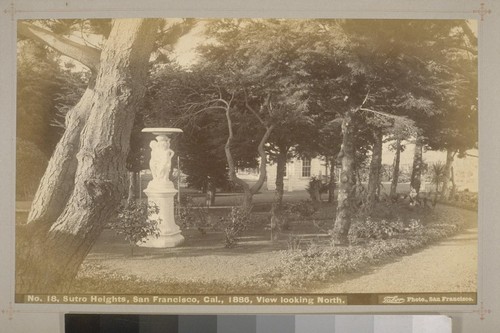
{"x":438,"y":172}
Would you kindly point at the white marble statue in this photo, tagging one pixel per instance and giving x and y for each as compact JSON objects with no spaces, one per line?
{"x":161,"y":159}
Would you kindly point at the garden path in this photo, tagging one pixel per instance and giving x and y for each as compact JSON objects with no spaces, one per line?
{"x":430,"y":270}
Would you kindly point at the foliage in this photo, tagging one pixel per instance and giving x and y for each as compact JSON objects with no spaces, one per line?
{"x":31,"y":163}
{"x":302,"y":209}
{"x":73,"y":86}
{"x":190,"y":215}
{"x":315,"y":188}
{"x":137,"y":221}
{"x":188,"y":99}
{"x":373,"y":229}
{"x":234,"y":224}
{"x":380,"y":229}
{"x":437,"y":174}
{"x":38,"y":86}
{"x":281,"y":215}
{"x":462,"y":199}
{"x":299,"y":267}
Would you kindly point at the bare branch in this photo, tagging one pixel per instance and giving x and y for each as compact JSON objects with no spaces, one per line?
{"x":385,"y":114}
{"x":366,"y":98}
{"x":84,"y":54}
{"x":255,"y":113}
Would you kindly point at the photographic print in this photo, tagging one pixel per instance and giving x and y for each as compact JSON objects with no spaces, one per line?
{"x":247,"y":161}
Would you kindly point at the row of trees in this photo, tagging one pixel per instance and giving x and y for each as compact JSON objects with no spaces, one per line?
{"x":260,"y":90}
{"x":325,"y":87}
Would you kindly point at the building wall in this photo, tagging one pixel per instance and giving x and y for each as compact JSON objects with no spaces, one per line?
{"x":294,"y":180}
{"x":465,"y":171}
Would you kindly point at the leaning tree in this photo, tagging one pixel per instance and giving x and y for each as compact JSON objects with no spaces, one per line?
{"x":81,"y":187}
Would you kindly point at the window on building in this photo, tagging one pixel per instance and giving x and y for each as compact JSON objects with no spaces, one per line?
{"x":306,"y":167}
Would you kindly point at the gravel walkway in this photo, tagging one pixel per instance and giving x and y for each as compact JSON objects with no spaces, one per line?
{"x":200,"y":268}
{"x":430,"y":270}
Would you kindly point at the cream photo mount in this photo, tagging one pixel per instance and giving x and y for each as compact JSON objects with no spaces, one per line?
{"x":487,"y":209}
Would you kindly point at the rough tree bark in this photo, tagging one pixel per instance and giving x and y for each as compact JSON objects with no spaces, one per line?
{"x":57,"y":182}
{"x":347,"y":181}
{"x":375,"y":166}
{"x":395,"y":170}
{"x":50,"y":251}
{"x":331,"y":179}
{"x":416,"y":173}
{"x":132,"y":187}
{"x":450,"y":157}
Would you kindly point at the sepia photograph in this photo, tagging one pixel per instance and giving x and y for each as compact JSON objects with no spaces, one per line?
{"x":247,"y":161}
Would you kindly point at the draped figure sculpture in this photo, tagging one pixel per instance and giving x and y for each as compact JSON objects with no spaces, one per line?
{"x":161,"y":191}
{"x":161,"y":160}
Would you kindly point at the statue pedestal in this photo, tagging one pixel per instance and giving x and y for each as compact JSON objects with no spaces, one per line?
{"x":162,"y":195}
{"x":161,"y":191}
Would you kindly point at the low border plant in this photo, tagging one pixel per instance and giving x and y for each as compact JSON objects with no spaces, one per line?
{"x":319,"y":263}
{"x":137,"y":221}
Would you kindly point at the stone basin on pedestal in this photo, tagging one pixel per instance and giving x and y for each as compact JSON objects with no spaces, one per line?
{"x":161,"y":191}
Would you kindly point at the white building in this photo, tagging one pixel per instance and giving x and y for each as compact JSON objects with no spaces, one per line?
{"x":298,"y":173}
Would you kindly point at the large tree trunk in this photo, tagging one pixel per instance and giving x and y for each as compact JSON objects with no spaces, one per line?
{"x":395,"y":170}
{"x":347,"y":181}
{"x":374,"y":177}
{"x":49,"y":254}
{"x":450,"y":157}
{"x":416,"y":173}
{"x":58,"y":181}
{"x":280,"y":175}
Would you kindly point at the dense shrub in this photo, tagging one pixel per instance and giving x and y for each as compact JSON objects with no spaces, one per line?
{"x":463,"y":199}
{"x":301,"y":209}
{"x":315,"y":188}
{"x":137,"y":221}
{"x":372,"y":229}
{"x":234,"y":224}
{"x":190,"y":215}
